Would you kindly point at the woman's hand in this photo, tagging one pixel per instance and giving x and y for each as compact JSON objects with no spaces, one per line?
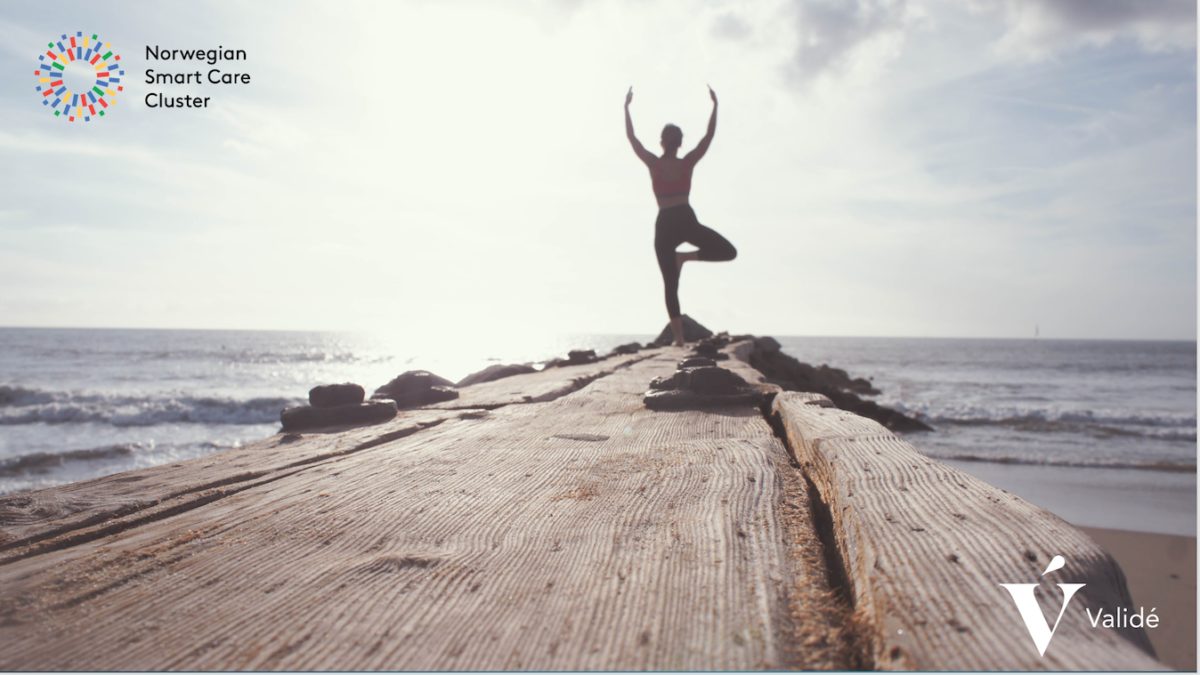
{"x":629,"y":97}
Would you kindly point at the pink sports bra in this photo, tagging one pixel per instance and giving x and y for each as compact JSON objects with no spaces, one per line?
{"x":671,"y":180}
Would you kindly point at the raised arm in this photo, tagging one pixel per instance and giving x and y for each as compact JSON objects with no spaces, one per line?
{"x":702,"y":147}
{"x":638,"y":149}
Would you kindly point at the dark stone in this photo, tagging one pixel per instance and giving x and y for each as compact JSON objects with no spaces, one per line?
{"x":581,"y":355}
{"x":357,"y":414}
{"x":684,"y":399}
{"x":860,"y":386}
{"x":700,"y":383}
{"x":793,"y":375}
{"x":329,"y":395}
{"x":495,"y":372}
{"x":766,"y":344}
{"x":720,"y":340}
{"x":714,"y":380}
{"x":692,"y":331}
{"x":676,"y":380}
{"x":415,"y":388}
{"x":575,"y":357}
{"x":696,"y":362}
{"x":710,"y":348}
{"x":627,"y":348}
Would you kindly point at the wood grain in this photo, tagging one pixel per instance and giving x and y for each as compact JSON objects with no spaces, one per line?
{"x":43,"y":519}
{"x":925,"y":547}
{"x":550,"y":521}
{"x":584,"y":532}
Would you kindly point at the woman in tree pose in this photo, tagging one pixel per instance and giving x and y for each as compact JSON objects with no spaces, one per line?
{"x":671,"y":177}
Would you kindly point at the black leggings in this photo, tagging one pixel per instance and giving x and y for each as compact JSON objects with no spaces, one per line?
{"x":676,"y":225}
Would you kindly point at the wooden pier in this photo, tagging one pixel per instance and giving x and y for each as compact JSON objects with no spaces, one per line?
{"x":550,"y":521}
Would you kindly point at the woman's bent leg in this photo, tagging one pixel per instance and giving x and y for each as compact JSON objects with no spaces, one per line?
{"x":713,"y":247}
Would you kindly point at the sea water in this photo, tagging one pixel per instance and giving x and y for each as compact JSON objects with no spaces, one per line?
{"x":1101,"y":432}
{"x":81,"y":403}
{"x":1075,"y":403}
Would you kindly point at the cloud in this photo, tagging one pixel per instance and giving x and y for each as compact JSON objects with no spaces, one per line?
{"x":1035,"y":29}
{"x":731,"y":27}
{"x":837,"y":39}
{"x":832,"y":35}
{"x":20,"y":41}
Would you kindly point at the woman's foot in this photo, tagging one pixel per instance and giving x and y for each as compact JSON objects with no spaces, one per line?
{"x":677,"y":330}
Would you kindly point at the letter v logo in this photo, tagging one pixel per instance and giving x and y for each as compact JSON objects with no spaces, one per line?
{"x":1026,"y":600}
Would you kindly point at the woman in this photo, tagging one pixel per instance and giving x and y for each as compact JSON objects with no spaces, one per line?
{"x":671,"y":177}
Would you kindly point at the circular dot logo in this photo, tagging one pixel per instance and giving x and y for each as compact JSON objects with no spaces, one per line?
{"x":79,"y":77}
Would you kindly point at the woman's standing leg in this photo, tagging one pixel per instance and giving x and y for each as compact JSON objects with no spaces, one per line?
{"x":666,"y":239}
{"x":664,"y":250}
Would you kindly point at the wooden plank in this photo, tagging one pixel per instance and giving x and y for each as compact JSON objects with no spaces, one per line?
{"x":583,"y":532}
{"x":45,"y":518}
{"x":925,"y":547}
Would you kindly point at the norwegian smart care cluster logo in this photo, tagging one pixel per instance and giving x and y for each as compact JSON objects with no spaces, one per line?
{"x":79,"y":77}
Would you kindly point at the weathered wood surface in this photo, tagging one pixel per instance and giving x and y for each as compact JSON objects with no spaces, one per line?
{"x":580,"y":532}
{"x":926,"y":546}
{"x":547,"y":521}
{"x":46,"y":519}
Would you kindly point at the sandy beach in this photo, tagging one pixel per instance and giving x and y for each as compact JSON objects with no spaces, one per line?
{"x":1160,"y":570}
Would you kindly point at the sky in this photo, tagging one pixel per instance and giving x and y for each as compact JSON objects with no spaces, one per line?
{"x":885,"y":168}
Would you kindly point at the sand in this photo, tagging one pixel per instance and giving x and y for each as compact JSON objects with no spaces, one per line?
{"x":1161,"y":573}
{"x":1119,"y":499}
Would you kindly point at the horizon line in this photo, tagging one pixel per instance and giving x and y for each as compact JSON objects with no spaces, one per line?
{"x":811,"y":335}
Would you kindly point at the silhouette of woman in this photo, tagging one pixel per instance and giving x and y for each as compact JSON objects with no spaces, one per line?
{"x":671,"y":177}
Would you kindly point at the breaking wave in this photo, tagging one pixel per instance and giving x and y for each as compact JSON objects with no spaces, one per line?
{"x":1100,"y":423}
{"x":1099,"y":463}
{"x":36,"y":462}
{"x":19,"y":405}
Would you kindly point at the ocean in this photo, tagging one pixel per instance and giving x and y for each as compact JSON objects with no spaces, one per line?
{"x":1074,"y":403}
{"x":81,"y":403}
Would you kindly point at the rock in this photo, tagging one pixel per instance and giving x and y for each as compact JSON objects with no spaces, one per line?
{"x":676,"y":380}
{"x":714,"y":380}
{"x":766,"y":344}
{"x":421,"y":378}
{"x":581,"y":355}
{"x":710,"y":349}
{"x":416,"y":388}
{"x":496,"y":371}
{"x":703,"y":385}
{"x":355,"y":414}
{"x":329,"y":395}
{"x":627,"y":348}
{"x":682,"y":399}
{"x":793,"y":375}
{"x":575,"y":357}
{"x":720,"y":340}
{"x":861,"y":386}
{"x":692,"y":331}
